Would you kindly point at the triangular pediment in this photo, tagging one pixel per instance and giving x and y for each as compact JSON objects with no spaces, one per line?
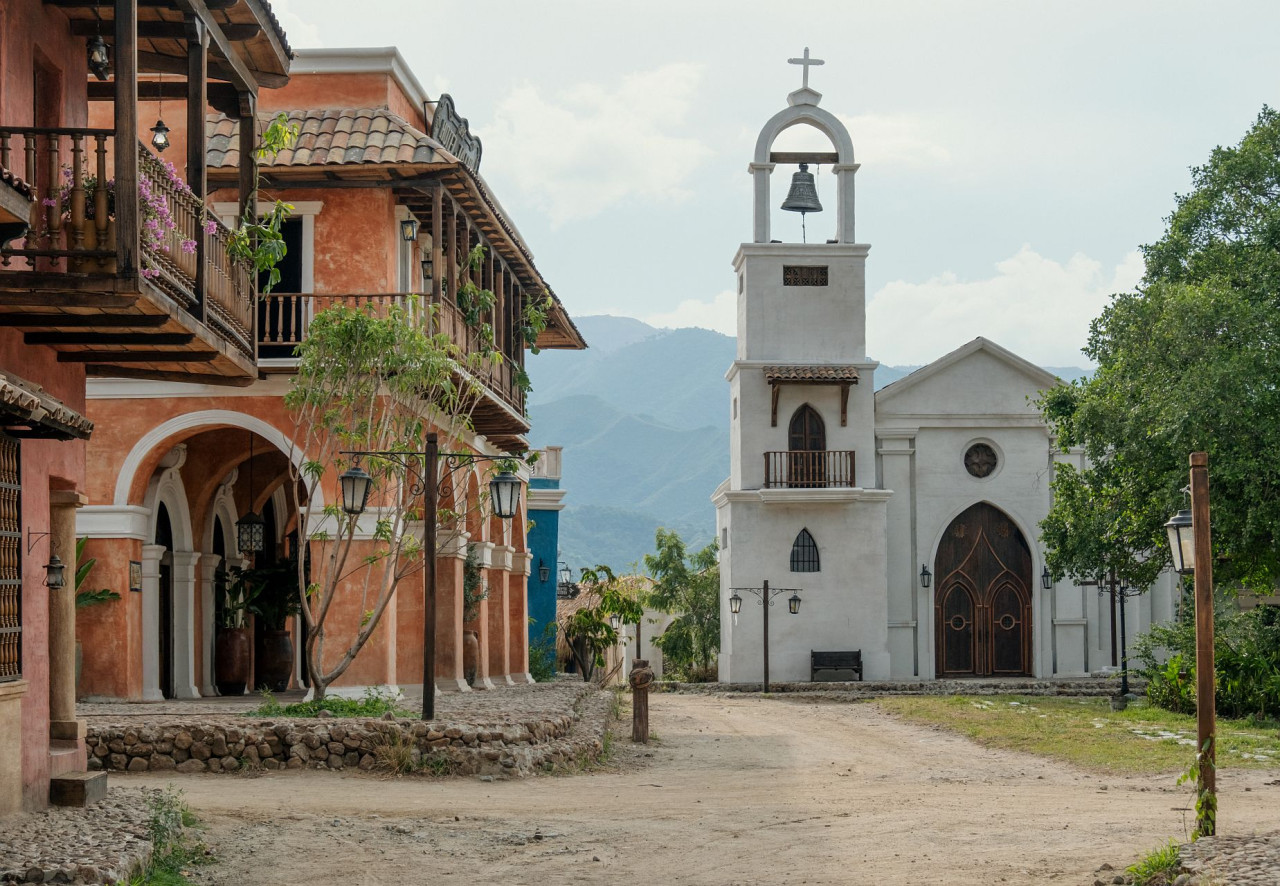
{"x":980,"y":378}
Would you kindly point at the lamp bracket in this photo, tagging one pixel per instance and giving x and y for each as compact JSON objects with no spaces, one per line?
{"x":758,"y":593}
{"x":33,"y":537}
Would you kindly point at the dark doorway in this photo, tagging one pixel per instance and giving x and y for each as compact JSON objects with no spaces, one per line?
{"x":806,"y":442}
{"x":982,"y":605}
{"x":280,"y":318}
{"x":219,"y":572}
{"x":268,"y":556}
{"x":164,"y":537}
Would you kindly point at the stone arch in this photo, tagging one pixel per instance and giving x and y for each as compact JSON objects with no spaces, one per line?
{"x":183,"y":426}
{"x":166,"y":488}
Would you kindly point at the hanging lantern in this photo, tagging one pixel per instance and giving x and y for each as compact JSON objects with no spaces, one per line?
{"x":159,"y":136}
{"x":428,"y":273}
{"x":54,"y":577}
{"x":735,"y":603}
{"x":409,"y":229}
{"x":251,"y":533}
{"x":1182,"y":542}
{"x":803,"y":196}
{"x":926,"y":577}
{"x":1046,"y":580}
{"x":99,"y":56}
{"x":544,"y":572}
{"x":615,"y":621}
{"x":504,"y":492}
{"x":793,"y":603}
{"x":356,"y":484}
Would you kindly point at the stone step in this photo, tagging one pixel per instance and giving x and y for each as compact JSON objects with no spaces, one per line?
{"x":77,"y":788}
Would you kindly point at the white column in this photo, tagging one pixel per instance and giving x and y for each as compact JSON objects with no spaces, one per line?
{"x":844,"y":201}
{"x":184,"y":624}
{"x":761,"y":173}
{"x":151,"y":555}
{"x":208,"y":630}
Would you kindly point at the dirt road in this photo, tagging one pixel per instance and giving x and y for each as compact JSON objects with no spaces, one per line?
{"x":737,"y":790}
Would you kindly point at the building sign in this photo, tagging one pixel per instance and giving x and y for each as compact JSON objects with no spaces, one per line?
{"x":454,"y":134}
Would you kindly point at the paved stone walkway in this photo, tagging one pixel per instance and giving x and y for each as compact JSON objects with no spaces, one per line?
{"x":1250,"y":860}
{"x":103,"y":843}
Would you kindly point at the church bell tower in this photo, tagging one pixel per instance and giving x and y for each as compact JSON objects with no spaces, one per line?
{"x":802,"y":508}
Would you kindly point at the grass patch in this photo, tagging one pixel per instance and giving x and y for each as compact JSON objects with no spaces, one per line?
{"x":374,"y":704}
{"x":1159,"y":868}
{"x":1085,"y":732}
{"x":176,"y":851}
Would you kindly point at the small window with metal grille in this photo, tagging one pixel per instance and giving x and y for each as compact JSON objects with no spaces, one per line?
{"x":804,"y":553}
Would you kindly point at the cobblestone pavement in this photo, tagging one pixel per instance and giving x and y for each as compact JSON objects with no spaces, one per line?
{"x":102,"y":843}
{"x":1249,"y":860}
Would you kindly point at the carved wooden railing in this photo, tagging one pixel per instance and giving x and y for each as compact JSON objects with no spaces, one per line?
{"x":184,"y":249}
{"x":283,"y":319}
{"x":803,"y":469}
{"x":67,"y":171}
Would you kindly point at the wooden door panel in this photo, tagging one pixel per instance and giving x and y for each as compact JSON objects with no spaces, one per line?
{"x":958,"y":629}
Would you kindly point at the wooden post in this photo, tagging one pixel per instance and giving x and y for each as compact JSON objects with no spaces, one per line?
{"x":248,"y":159}
{"x":437,"y":247}
{"x":197,"y":100}
{"x":1205,"y":696}
{"x":451,"y":240}
{"x":126,"y":123}
{"x":764,"y":601}
{"x":640,"y":678}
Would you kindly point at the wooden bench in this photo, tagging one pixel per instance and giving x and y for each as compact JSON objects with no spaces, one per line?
{"x":824,"y":662}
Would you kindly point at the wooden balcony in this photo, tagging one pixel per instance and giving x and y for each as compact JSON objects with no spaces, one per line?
{"x":282,"y":323}
{"x":800,"y":469}
{"x":133,"y":282}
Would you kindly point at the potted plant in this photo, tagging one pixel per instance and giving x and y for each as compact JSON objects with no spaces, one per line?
{"x":86,"y":598}
{"x":473,"y":594}
{"x":276,"y":602}
{"x":231,"y":646}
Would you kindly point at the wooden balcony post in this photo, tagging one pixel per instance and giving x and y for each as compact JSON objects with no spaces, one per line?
{"x":451,"y":237}
{"x":197,"y":101}
{"x":248,"y":157}
{"x":437,"y":246}
{"x":126,"y":123}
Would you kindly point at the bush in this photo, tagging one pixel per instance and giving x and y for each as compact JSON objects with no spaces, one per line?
{"x":1246,"y":660}
{"x":374,"y":704}
{"x":542,"y":659}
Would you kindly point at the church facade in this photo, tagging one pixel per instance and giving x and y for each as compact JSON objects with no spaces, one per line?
{"x":905,"y":521}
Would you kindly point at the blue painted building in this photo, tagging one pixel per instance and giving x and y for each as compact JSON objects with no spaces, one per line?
{"x":546,"y":501}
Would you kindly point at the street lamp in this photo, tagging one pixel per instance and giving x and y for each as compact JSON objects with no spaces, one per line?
{"x":926,"y":577}
{"x":765,"y":596}
{"x":1046,"y":580}
{"x":615,"y":621}
{"x":504,"y":495}
{"x":1191,"y":547}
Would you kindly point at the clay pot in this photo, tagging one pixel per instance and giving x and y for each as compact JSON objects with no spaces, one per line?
{"x":231,"y":661}
{"x":470,"y":656}
{"x":274,"y":664}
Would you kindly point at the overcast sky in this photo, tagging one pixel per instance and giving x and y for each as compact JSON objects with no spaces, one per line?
{"x":1014,"y":154}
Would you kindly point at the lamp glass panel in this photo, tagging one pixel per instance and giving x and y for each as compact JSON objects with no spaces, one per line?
{"x":356,"y":484}
{"x":735,"y":604}
{"x":793,"y":603}
{"x":504,"y":491}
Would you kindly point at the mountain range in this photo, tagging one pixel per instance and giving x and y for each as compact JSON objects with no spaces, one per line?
{"x":643,"y":416}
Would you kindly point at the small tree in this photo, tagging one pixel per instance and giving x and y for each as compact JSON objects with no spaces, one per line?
{"x":688,"y":585}
{"x":370,"y":383}
{"x":587,"y":631}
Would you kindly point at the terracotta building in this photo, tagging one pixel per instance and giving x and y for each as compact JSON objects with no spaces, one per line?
{"x":87,"y":290}
{"x":387,"y":200}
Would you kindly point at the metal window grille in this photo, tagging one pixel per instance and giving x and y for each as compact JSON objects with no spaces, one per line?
{"x":804,"y":553}
{"x":10,"y":560}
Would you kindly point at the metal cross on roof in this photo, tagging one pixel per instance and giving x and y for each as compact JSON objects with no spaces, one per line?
{"x":806,"y":62}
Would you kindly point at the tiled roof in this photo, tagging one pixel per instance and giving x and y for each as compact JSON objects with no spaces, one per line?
{"x":14,"y":182}
{"x":774,"y":374}
{"x":275,"y":26}
{"x":333,"y":136}
{"x":28,"y":403}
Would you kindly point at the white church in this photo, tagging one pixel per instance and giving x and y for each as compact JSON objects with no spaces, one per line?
{"x":904,"y":521}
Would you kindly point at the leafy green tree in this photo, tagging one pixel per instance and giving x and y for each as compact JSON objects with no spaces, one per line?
{"x":1187,"y":362}
{"x":588,"y":631}
{"x":688,"y":585}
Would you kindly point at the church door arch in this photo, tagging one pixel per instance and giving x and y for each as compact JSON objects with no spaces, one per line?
{"x":982,"y":601}
{"x":806,"y":441}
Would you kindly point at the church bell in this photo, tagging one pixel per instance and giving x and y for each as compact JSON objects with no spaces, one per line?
{"x":803,"y":196}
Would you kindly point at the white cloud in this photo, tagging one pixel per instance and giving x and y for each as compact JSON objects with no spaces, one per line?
{"x":589,"y":148}
{"x":902,"y":141}
{"x":719,"y":314}
{"x":302,"y":33}
{"x":1036,"y":307}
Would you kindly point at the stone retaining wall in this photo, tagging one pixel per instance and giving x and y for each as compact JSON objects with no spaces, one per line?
{"x":207,"y":745}
{"x":1096,"y":687}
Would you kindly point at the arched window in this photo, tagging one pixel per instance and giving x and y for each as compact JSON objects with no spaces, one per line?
{"x":804,"y":553}
{"x":807,"y":433}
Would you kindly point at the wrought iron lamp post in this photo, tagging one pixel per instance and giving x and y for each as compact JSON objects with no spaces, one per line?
{"x":765,"y":596}
{"x":504,"y":494}
{"x":1191,"y":546}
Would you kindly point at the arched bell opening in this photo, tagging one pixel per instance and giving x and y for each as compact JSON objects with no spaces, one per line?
{"x":802,"y":192}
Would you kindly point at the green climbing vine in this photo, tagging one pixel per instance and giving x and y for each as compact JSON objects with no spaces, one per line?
{"x":1206,"y":800}
{"x":258,"y":239}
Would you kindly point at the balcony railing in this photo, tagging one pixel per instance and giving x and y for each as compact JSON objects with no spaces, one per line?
{"x":283,"y":319}
{"x":184,"y":249}
{"x":801,"y":469}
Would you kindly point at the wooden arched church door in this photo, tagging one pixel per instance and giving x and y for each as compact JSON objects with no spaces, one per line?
{"x":806,"y":440}
{"x":982,"y":601}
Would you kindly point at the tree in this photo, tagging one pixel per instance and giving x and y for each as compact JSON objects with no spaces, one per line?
{"x":369,"y":382}
{"x":1187,"y":362}
{"x":690,"y":586}
{"x":587,"y":630}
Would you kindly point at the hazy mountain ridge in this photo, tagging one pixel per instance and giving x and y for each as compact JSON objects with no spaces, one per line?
{"x":643,"y":416}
